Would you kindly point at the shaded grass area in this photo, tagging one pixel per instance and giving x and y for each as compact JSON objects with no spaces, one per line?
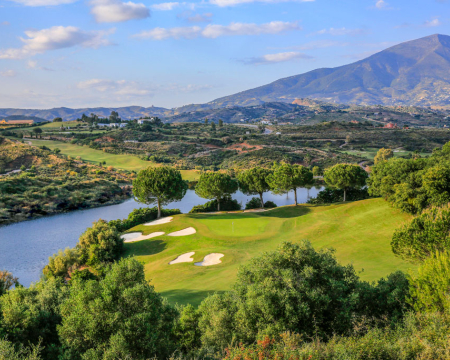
{"x":360,"y":232}
{"x":370,"y":153}
{"x":120,"y":161}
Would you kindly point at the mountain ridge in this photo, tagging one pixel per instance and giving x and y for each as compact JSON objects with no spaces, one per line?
{"x":415,"y":72}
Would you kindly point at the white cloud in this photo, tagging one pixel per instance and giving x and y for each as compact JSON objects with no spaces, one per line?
{"x":165,"y":6}
{"x":215,"y":31}
{"x":341,"y":31}
{"x":5,"y":23}
{"x":32,"y":64}
{"x":132,"y":88}
{"x":43,"y":2}
{"x":108,"y":11}
{"x":198,"y":18}
{"x":54,"y":38}
{"x":381,"y":4}
{"x":432,"y":23}
{"x":8,"y":73}
{"x":223,"y":3}
{"x":277,"y":58}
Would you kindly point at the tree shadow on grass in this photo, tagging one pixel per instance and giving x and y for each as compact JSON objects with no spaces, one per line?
{"x":144,"y":247}
{"x":186,"y":296}
{"x":284,"y":212}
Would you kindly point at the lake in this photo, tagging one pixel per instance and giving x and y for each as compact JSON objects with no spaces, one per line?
{"x":26,"y":246}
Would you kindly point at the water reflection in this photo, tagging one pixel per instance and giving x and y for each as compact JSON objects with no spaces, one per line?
{"x":26,"y":246}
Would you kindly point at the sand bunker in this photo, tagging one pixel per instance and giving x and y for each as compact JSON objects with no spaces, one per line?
{"x":184,"y":232}
{"x":137,"y":236}
{"x":164,"y":220}
{"x":210,"y":259}
{"x":183,"y":258}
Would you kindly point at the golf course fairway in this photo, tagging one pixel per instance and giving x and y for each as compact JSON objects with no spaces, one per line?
{"x":359,"y":231}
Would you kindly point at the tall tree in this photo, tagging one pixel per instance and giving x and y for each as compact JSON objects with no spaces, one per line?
{"x":287,"y":177}
{"x":220,"y":123}
{"x":159,"y":185}
{"x":383,"y":155}
{"x":345,"y":176}
{"x":215,"y":185}
{"x":254,"y":182}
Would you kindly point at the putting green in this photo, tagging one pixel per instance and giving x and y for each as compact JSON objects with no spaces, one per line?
{"x":360,"y":232}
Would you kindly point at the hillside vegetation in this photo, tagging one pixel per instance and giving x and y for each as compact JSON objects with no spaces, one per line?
{"x":47,"y":183}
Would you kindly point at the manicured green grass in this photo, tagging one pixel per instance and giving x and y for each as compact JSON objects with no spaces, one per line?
{"x":360,"y":232}
{"x":126,"y":162}
{"x":59,"y":124}
{"x":371,"y":152}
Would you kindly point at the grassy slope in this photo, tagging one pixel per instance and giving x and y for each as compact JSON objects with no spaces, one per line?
{"x":126,"y":162}
{"x":360,"y":232}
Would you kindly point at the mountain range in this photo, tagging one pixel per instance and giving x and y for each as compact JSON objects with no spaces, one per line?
{"x":413,"y":73}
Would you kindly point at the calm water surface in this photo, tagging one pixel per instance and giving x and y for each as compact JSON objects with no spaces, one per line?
{"x":26,"y":246}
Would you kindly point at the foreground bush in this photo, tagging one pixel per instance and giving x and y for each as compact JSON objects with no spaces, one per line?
{"x":422,"y":236}
{"x":430,"y":287}
{"x":420,"y":336}
{"x":118,"y":317}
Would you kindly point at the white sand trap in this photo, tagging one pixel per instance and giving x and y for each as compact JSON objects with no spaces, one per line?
{"x":184,"y":232}
{"x":137,"y":236}
{"x":183,"y":258}
{"x":164,"y":220}
{"x":210,"y":259}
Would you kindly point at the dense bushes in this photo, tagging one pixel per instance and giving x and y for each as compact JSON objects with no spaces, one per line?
{"x":226,"y":204}
{"x":255,"y":203}
{"x":330,"y":195}
{"x":412,"y":185}
{"x":140,"y":216}
{"x":120,"y":316}
{"x":300,"y":290}
{"x":422,"y":236}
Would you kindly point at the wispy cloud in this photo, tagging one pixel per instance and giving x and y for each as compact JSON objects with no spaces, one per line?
{"x":35,"y":3}
{"x":215,"y":31}
{"x":341,"y":31}
{"x":54,"y":38}
{"x":165,"y":6}
{"x":5,"y":23}
{"x":197,"y":18}
{"x":381,"y":4}
{"x":276,"y":58}
{"x":112,"y":11}
{"x":224,"y":3}
{"x":432,"y":23}
{"x":8,"y":73}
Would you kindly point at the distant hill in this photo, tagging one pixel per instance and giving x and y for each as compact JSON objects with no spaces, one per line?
{"x":22,"y":117}
{"x":66,"y":114}
{"x":412,"y":73}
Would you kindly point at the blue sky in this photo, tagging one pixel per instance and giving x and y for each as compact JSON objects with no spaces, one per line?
{"x":80,"y":53}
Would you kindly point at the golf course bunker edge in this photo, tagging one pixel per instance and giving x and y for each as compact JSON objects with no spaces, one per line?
{"x":184,"y":232}
{"x":183,"y":258}
{"x":163,"y":220}
{"x":137,"y":236}
{"x":210,"y":259}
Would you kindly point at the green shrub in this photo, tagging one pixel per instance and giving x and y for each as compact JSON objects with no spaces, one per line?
{"x":255,"y":203}
{"x":422,"y":236}
{"x":430,"y":287}
{"x":226,"y":204}
{"x":140,"y":216}
{"x":330,"y":195}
